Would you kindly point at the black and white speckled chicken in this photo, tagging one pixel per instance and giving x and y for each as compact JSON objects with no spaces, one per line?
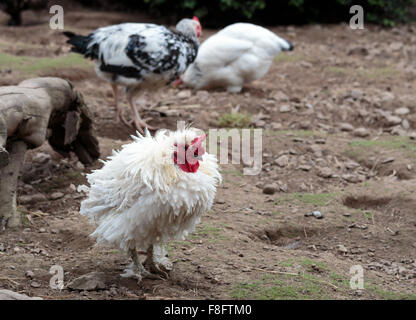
{"x":139,"y":56}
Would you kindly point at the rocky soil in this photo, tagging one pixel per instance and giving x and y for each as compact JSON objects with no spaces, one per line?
{"x":336,"y":189}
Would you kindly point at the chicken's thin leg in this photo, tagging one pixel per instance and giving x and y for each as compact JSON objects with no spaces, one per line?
{"x":119,"y":110}
{"x":137,"y":120}
{"x":157,"y":262}
{"x":136,"y":270}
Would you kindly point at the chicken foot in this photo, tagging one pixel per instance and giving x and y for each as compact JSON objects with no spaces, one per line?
{"x":136,"y":270}
{"x":157,"y":262}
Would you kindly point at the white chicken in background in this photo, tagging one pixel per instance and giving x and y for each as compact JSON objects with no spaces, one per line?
{"x":237,"y":54}
{"x":139,"y":56}
{"x":153,"y":190}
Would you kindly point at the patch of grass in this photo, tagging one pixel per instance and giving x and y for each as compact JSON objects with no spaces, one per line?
{"x":287,"y":57}
{"x":34,"y":65}
{"x":369,"y":73}
{"x":310,"y":262}
{"x":403,"y":144}
{"x":213,"y":234}
{"x":234,"y":120}
{"x":236,"y":173}
{"x":317,"y":199}
{"x":296,"y":133}
{"x":280,"y":287}
{"x":389,"y":294}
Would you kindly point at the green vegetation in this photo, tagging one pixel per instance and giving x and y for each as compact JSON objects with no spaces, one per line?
{"x":362,"y":147}
{"x":234,"y":120}
{"x":34,"y":65}
{"x":213,"y":234}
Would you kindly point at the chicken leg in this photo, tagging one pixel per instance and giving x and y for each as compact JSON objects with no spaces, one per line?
{"x":136,"y":269}
{"x":139,"y":123}
{"x":157,"y":262}
{"x":119,"y":110}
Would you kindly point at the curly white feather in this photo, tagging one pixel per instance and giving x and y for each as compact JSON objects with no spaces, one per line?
{"x":140,"y":197}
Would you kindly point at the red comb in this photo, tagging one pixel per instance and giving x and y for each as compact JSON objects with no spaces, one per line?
{"x":195,"y":18}
{"x":198,"y":140}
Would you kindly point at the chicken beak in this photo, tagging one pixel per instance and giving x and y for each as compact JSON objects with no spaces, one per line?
{"x":177,"y":83}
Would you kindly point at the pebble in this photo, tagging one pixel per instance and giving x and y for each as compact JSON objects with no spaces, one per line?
{"x":282,"y":161}
{"x":316,"y":214}
{"x":346,"y":127}
{"x":325,"y":172}
{"x":41,"y":158}
{"x":402,"y":111}
{"x":270,"y":188}
{"x":305,"y":167}
{"x":56,"y":195}
{"x":353,"y":178}
{"x":393,"y":120}
{"x":342,"y":249}
{"x":10,"y":295}
{"x":31,"y":199}
{"x":184,"y":94}
{"x":79,"y":166}
{"x":285,"y":108}
{"x":361,"y":132}
{"x":89,"y":282}
{"x":29,"y":274}
{"x":35,"y":284}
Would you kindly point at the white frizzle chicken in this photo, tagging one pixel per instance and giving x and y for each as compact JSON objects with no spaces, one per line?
{"x":139,"y":56}
{"x":153,"y":190}
{"x":237,"y":54}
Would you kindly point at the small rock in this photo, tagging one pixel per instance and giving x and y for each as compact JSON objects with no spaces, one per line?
{"x":31,"y":199}
{"x":42,"y":230}
{"x":325,"y":172}
{"x":305,"y":167}
{"x":29,"y":274}
{"x":388,"y":160}
{"x":285,"y":108}
{"x":56,"y":195}
{"x":79,"y":166}
{"x":405,"y":124}
{"x":346,"y":214}
{"x":346,"y":127}
{"x":282,"y":161}
{"x":2,"y":248}
{"x":361,"y":132}
{"x":353,"y":178}
{"x":41,"y":158}
{"x":10,"y":295}
{"x":89,"y":282}
{"x":280,"y":96}
{"x":393,"y":120}
{"x":342,"y":249}
{"x":402,"y":111}
{"x":283,"y":187}
{"x":276,"y":125}
{"x":35,"y":284}
{"x":270,"y":188}
{"x":316,"y":214}
{"x":184,"y":94}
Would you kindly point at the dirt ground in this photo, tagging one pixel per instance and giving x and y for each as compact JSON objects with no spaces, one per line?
{"x":338,"y":116}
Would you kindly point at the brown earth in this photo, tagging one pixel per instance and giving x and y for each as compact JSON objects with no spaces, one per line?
{"x":251,"y":244}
